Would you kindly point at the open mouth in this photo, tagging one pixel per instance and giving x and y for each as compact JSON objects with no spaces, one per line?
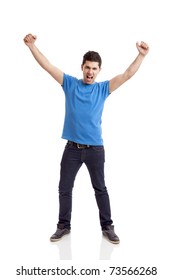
{"x":89,"y":78}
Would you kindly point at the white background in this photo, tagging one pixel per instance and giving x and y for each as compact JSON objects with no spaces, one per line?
{"x":137,"y":132}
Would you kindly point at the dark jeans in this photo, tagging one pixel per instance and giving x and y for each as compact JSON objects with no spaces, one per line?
{"x":72,"y":160}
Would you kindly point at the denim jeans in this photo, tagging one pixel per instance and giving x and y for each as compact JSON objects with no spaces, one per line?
{"x":72,"y":160}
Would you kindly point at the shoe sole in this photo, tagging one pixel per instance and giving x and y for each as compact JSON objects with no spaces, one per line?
{"x":114,"y":242}
{"x":54,"y":240}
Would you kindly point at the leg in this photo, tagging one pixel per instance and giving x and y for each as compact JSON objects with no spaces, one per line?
{"x":70,"y":164}
{"x":95,"y":163}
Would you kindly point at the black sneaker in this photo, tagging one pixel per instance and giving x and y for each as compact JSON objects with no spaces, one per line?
{"x":60,"y":232}
{"x":110,"y":234}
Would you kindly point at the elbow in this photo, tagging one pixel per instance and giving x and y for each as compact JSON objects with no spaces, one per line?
{"x":128,"y":75}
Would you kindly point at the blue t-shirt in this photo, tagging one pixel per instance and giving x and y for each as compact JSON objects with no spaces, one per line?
{"x":83,"y":110}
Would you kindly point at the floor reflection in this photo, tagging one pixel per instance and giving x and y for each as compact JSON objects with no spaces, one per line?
{"x":64,"y":248}
{"x":106,"y":249}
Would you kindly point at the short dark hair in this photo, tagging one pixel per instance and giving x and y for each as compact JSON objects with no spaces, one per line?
{"x":92,"y":56}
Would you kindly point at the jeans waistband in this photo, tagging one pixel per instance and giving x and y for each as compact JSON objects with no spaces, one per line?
{"x":79,"y":146}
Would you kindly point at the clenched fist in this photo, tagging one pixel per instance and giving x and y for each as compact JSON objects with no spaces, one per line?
{"x":142,"y":47}
{"x":30,"y":39}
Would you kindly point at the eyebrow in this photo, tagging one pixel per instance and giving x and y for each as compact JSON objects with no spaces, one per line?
{"x":88,"y":67}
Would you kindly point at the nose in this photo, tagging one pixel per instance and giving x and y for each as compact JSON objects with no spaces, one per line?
{"x":90,"y":71}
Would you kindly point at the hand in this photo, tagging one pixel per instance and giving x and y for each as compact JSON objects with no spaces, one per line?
{"x":30,"y":39}
{"x":142,"y":47}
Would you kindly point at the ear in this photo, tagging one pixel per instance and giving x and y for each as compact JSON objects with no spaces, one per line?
{"x":82,"y":67}
{"x":99,"y":70}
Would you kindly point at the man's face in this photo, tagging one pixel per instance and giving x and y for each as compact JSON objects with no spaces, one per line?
{"x":90,"y":71}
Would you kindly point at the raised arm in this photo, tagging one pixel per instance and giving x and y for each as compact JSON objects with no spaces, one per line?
{"x":118,"y":80}
{"x":56,"y":73}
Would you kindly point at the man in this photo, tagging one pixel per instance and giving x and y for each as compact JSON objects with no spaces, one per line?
{"x":82,"y":129}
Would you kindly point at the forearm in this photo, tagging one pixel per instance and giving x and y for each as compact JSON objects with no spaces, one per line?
{"x":56,"y":73}
{"x":134,"y":66}
{"x":131,"y":70}
{"x":39,"y":57}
